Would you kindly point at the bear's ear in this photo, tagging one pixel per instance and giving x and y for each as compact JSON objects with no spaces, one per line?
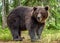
{"x":34,"y":8}
{"x":46,"y":8}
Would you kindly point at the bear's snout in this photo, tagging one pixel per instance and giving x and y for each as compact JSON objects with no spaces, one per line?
{"x":38,"y":18}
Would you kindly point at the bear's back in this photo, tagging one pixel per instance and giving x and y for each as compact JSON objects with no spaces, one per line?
{"x":21,"y":10}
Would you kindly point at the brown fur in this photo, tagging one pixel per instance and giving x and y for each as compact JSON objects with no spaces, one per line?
{"x":25,"y":18}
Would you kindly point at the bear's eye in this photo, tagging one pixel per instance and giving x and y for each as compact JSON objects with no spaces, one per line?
{"x":42,"y":13}
{"x":43,"y":16}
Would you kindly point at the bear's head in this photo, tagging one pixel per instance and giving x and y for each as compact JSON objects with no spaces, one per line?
{"x":40,"y":13}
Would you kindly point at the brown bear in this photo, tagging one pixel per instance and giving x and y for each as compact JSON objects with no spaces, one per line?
{"x":27,"y":18}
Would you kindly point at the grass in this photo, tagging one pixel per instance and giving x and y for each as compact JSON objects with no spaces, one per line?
{"x":48,"y":36}
{"x":5,"y":34}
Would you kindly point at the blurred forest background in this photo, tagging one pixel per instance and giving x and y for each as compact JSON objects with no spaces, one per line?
{"x":52,"y":28}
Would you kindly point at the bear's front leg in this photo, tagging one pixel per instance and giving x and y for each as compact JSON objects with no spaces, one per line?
{"x":40,"y":29}
{"x":32,"y":34}
{"x":31,"y":28}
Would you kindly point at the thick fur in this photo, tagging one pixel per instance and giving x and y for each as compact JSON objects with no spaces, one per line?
{"x":25,"y":18}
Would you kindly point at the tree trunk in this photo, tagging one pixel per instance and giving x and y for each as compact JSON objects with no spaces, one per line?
{"x":4,"y":24}
{"x":5,"y":11}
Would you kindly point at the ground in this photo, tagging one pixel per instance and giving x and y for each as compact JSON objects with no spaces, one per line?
{"x":48,"y":36}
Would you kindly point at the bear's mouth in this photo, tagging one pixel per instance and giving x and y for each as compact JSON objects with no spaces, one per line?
{"x":39,"y":20}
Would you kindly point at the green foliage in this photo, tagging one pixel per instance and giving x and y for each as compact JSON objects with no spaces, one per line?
{"x":0,"y":20}
{"x":54,"y":14}
{"x":30,"y":3}
{"x":5,"y":34}
{"x":16,"y":3}
{"x":0,"y":15}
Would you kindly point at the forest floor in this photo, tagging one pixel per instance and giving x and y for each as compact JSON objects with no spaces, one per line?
{"x":27,"y":42}
{"x":48,"y":36}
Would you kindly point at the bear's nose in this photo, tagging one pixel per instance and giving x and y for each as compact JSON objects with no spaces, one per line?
{"x":38,"y":18}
